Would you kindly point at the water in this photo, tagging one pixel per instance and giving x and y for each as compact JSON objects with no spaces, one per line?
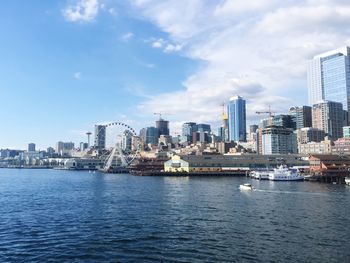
{"x":61,"y":216}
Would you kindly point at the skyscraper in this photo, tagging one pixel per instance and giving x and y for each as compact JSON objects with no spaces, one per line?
{"x":328,"y":77}
{"x":187,"y":131}
{"x":31,"y":147}
{"x":162,"y":126}
{"x":328,"y":116}
{"x":237,"y":119}
{"x":100,"y":137}
{"x":302,"y":116}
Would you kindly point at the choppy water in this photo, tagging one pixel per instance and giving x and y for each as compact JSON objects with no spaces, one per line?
{"x":60,"y":216}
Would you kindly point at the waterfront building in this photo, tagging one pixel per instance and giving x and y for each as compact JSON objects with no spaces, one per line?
{"x":237,"y":119}
{"x":302,"y":116}
{"x":278,"y":140}
{"x":328,"y":116}
{"x":346,"y":131}
{"x":309,"y":134}
{"x":64,"y":148}
{"x":187,"y":131}
{"x":341,"y":146}
{"x":222,"y":163}
{"x":162,"y":126}
{"x":31,"y":147}
{"x":323,"y":147}
{"x":330,"y":167}
{"x":100,"y":137}
{"x":328,"y":77}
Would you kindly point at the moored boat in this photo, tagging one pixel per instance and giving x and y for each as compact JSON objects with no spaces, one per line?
{"x":260,"y":175}
{"x":283,"y":173}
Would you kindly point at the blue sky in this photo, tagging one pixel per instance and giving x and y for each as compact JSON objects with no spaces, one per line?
{"x":69,"y":64}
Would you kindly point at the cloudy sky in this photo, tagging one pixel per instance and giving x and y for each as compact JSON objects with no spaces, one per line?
{"x":69,"y":64}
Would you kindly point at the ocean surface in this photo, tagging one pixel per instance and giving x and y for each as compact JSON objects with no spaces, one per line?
{"x":64,"y":216}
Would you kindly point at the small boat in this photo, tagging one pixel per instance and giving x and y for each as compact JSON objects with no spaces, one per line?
{"x":283,"y":173}
{"x":347,"y":180}
{"x":246,"y":187}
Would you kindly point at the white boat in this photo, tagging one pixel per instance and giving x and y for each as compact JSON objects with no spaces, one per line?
{"x":347,"y":180}
{"x":245,"y":187}
{"x":260,"y":175}
{"x":283,"y":173}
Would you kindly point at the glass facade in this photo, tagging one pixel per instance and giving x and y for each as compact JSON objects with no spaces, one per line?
{"x":329,"y":78}
{"x":237,"y":119}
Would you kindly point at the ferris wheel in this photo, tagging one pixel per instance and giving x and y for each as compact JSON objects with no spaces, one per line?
{"x":118,"y":145}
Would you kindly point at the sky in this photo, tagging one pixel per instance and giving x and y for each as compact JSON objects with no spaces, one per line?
{"x":67,"y":65}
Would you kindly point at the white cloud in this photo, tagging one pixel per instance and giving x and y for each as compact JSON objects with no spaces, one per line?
{"x":158,"y":43}
{"x":126,"y":37}
{"x":172,"y":48}
{"x":165,"y":45}
{"x":77,"y":75}
{"x":257,"y":49}
{"x":82,"y":11}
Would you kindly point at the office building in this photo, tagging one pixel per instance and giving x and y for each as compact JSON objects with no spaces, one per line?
{"x":204,"y":127}
{"x":278,"y":140}
{"x":187,"y":131}
{"x":301,"y":116}
{"x":309,"y":134}
{"x":31,"y":147}
{"x":323,"y":147}
{"x":100,"y":137}
{"x":328,"y":116}
{"x":149,"y":135}
{"x":64,"y":148}
{"x":283,"y":120}
{"x":341,"y":146}
{"x":346,"y":131}
{"x":162,"y":126}
{"x":237,"y":119}
{"x":328,"y":77}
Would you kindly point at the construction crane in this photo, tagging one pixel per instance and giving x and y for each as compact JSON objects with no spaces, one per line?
{"x":271,"y":114}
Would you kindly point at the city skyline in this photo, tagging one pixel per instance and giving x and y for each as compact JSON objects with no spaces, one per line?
{"x":70,"y":65}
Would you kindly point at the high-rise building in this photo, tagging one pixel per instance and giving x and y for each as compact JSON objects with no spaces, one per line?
{"x":237,"y":119}
{"x":100,"y":137}
{"x":187,"y":131}
{"x":328,"y":77}
{"x":278,"y":140}
{"x":302,"y":116}
{"x":309,"y":134}
{"x":328,"y":116}
{"x":283,"y":120}
{"x":31,"y":147}
{"x":64,"y":148}
{"x":149,"y":135}
{"x":162,"y":126}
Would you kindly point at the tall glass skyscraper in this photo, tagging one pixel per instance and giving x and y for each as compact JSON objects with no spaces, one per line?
{"x":328,"y":76}
{"x":237,"y":119}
